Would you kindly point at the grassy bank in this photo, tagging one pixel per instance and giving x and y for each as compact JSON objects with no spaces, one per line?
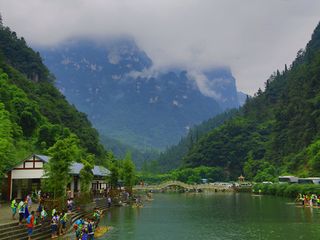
{"x":286,"y":190}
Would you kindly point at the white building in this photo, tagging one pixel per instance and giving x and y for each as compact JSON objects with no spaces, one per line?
{"x":26,"y":177}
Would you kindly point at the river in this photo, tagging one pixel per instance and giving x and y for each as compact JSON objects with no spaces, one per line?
{"x":221,"y":216}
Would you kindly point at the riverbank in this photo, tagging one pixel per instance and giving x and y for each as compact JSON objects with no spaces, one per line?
{"x":286,"y":190}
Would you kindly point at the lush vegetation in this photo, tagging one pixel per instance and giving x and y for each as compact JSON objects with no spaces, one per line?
{"x":286,"y":190}
{"x":34,"y":115}
{"x":123,"y":172}
{"x":172,"y":157}
{"x":120,"y":149}
{"x":63,"y":153}
{"x":277,"y":131}
{"x":6,"y":140}
{"x":187,"y":175}
{"x":86,"y":175}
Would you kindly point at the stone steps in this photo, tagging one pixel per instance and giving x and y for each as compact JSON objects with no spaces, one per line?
{"x":42,"y":237}
{"x":22,"y":233}
{"x":6,"y":225}
{"x":7,"y":228}
{"x":13,"y":231}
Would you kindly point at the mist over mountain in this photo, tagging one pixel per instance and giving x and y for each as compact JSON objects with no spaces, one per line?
{"x":115,"y":84}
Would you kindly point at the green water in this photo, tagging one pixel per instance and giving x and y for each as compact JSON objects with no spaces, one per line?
{"x":224,"y":216}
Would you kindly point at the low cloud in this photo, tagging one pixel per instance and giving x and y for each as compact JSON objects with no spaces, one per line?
{"x":146,"y":73}
{"x":204,"y":84}
{"x":253,"y":37}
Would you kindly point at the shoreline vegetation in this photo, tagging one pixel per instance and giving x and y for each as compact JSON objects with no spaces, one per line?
{"x":286,"y":190}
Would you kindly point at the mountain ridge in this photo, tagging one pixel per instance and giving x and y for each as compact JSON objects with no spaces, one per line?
{"x":277,"y":130}
{"x":114,"y":84}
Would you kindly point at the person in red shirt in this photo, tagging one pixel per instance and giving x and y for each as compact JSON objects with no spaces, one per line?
{"x":30,"y":224}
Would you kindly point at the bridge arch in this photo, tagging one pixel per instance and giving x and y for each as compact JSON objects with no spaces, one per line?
{"x":175,"y":183}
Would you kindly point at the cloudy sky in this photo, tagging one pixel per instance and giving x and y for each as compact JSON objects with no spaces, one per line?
{"x":253,"y":37}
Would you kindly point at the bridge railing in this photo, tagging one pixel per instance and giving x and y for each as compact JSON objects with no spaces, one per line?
{"x":183,"y":185}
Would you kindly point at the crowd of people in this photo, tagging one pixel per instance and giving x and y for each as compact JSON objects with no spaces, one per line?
{"x":85,"y":227}
{"x":58,"y":223}
{"x":308,"y":199}
{"x":58,"y":220}
{"x":24,"y":209}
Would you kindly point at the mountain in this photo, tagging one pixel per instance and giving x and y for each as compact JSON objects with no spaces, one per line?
{"x":242,"y":97}
{"x":33,"y":112}
{"x":114,"y":83}
{"x":120,"y":150}
{"x":172,"y":157}
{"x":277,"y":131}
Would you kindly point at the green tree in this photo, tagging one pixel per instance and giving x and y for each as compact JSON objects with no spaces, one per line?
{"x":114,"y":177}
{"x":86,"y":174}
{"x":128,"y":172}
{"x":63,"y":153}
{"x":313,"y":153}
{"x":6,"y":141}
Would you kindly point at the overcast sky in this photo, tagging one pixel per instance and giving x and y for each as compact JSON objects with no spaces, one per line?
{"x":253,"y":37}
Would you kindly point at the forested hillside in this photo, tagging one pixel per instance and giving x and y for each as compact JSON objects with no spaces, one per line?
{"x":171,"y":158}
{"x":33,"y":113}
{"x":276,"y":131}
{"x":120,"y":150}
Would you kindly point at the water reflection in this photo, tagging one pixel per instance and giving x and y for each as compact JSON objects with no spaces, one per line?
{"x":213,"y":216}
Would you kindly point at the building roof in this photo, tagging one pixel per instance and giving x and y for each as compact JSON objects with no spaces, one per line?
{"x":42,"y":157}
{"x":98,"y":171}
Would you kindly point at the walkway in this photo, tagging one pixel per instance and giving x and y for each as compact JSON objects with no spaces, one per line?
{"x":6,"y":214}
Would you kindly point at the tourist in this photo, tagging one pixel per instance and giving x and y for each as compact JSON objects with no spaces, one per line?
{"x":21,"y":208}
{"x":54,"y":226}
{"x":85,"y":234}
{"x":78,"y":233}
{"x":63,"y":223}
{"x":58,"y":223}
{"x":314,"y":199}
{"x":91,"y":229}
{"x":138,"y":201}
{"x":69,"y":204}
{"x":301,"y":199}
{"x":26,"y":210}
{"x":14,"y":205}
{"x":38,"y":212}
{"x":29,"y":201}
{"x":96,"y":216}
{"x":43,"y":216}
{"x":78,"y":228}
{"x":69,"y":193}
{"x":54,"y":211}
{"x":30,"y":224}
{"x":305,"y":200}
{"x":109,"y":201}
{"x":310,"y":200}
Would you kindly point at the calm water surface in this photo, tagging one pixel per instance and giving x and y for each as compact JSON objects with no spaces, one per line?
{"x":224,"y":216}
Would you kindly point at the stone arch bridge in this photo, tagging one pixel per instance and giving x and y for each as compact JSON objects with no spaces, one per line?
{"x":187,"y":187}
